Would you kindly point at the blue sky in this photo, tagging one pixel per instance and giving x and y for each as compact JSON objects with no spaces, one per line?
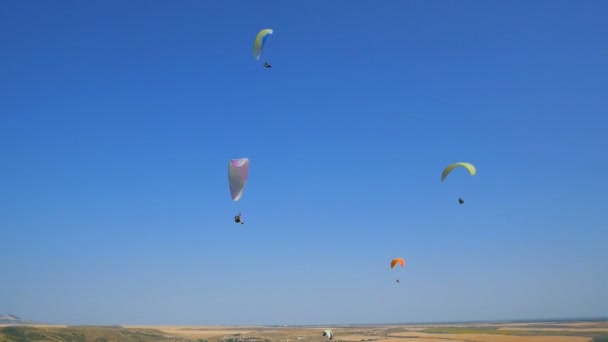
{"x":117,"y":121}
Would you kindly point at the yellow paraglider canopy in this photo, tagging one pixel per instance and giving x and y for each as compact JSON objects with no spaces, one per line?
{"x":260,"y":40}
{"x":451,"y":167}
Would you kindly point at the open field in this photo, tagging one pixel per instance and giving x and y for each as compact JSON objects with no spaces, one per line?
{"x":474,"y":332}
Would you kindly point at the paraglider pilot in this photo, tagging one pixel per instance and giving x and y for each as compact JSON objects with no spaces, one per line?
{"x":461,"y":201}
{"x":237,"y":219}
{"x":266,"y":65}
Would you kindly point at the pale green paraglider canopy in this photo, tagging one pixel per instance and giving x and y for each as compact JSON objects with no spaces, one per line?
{"x":451,"y":167}
{"x":238,"y":170}
{"x":258,"y":44}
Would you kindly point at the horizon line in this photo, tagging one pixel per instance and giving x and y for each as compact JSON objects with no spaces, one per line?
{"x":490,"y":321}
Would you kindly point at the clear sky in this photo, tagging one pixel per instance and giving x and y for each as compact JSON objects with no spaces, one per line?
{"x":118,"y":118}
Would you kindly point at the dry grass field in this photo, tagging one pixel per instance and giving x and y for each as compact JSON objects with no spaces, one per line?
{"x":480,"y":332}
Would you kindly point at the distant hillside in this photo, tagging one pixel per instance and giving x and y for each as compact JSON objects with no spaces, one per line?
{"x":86,"y":334}
{"x":12,"y":319}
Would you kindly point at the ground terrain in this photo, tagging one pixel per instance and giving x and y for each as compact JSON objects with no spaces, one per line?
{"x":596,"y":331}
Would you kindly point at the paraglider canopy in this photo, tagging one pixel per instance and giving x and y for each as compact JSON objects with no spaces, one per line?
{"x":238,"y":170}
{"x":451,"y":167}
{"x":396,"y":261}
{"x":259,"y":42}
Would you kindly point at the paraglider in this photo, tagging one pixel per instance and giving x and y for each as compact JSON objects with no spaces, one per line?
{"x":328,"y":334}
{"x":396,"y":261}
{"x":451,"y":167}
{"x":259,"y":42}
{"x":238,"y":170}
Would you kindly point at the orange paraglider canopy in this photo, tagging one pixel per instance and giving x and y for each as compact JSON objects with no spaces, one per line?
{"x":396,"y":261}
